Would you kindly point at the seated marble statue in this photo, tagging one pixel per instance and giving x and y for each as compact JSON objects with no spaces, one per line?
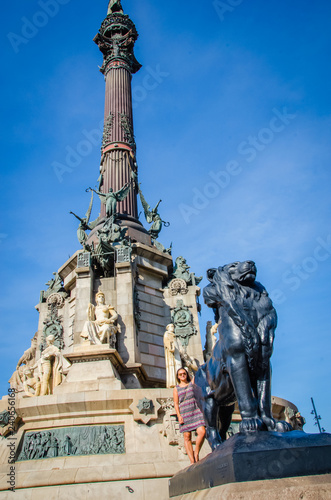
{"x":50,"y":366}
{"x":16,"y":380}
{"x":27,"y":360}
{"x":172,"y":355}
{"x":100,"y":326}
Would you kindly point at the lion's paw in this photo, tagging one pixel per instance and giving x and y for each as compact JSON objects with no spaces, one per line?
{"x":270,"y":423}
{"x":251,"y":425}
{"x":213,"y":438}
{"x":283,"y":426}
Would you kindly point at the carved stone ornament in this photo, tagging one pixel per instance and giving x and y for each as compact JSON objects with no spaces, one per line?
{"x":55,"y":285}
{"x":127,"y":127}
{"x":145,"y":406}
{"x":178,"y":286}
{"x":55,"y":299}
{"x":183,"y":321}
{"x":66,"y":441}
{"x":9,"y":422}
{"x":123,"y":254}
{"x":84,"y":259}
{"x":106,"y":139}
{"x":171,"y":425}
{"x":53,"y":326}
{"x":4,"y":418}
{"x":144,"y":409}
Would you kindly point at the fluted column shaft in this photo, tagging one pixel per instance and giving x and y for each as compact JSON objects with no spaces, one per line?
{"x":116,"y":39}
{"x":119,"y":147}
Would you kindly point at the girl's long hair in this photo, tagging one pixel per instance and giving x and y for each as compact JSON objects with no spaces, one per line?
{"x":187,"y":374}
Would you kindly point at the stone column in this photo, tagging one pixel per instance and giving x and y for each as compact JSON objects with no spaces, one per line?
{"x":116,"y":39}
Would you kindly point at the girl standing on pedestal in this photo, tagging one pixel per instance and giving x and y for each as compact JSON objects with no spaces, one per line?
{"x":189,"y":416}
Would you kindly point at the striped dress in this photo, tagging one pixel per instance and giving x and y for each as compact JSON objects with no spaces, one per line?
{"x":189,"y":410}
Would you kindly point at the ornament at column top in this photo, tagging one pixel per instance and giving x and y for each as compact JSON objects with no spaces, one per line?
{"x":114,"y":6}
{"x":116,"y":39}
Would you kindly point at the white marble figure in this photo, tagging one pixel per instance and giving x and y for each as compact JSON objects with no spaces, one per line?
{"x":31,"y":383}
{"x":172,"y":355}
{"x":213,"y":332}
{"x":27,"y":360}
{"x":50,"y":366}
{"x":189,"y":363}
{"x":211,"y":339}
{"x":100,"y":326}
{"x":171,"y":428}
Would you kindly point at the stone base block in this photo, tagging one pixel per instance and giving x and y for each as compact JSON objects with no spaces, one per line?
{"x":128,"y":489}
{"x":254,"y":457}
{"x":294,"y":488}
{"x":93,"y":368}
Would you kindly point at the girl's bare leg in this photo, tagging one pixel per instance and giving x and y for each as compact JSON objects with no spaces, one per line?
{"x":201,"y":431}
{"x":188,"y":446}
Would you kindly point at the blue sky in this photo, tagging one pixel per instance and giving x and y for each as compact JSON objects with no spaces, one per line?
{"x":232,"y":123}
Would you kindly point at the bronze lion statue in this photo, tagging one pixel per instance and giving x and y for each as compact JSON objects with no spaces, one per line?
{"x":239,"y":368}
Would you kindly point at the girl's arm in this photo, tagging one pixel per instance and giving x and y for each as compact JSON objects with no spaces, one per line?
{"x":176,"y":403}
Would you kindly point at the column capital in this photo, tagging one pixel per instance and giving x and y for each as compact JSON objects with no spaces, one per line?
{"x":116,"y":39}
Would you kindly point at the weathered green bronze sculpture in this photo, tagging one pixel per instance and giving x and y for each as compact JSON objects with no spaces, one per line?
{"x":85,"y":225}
{"x":115,"y":6}
{"x":184,"y":325}
{"x":181,"y":271}
{"x":111,"y":232}
{"x":152,"y":217}
{"x":111,"y":198}
{"x":55,"y":287}
{"x":65,"y":441}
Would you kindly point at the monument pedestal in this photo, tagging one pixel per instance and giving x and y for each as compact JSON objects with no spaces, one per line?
{"x":292,"y":488}
{"x":257,"y":456}
{"x":93,"y":367}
